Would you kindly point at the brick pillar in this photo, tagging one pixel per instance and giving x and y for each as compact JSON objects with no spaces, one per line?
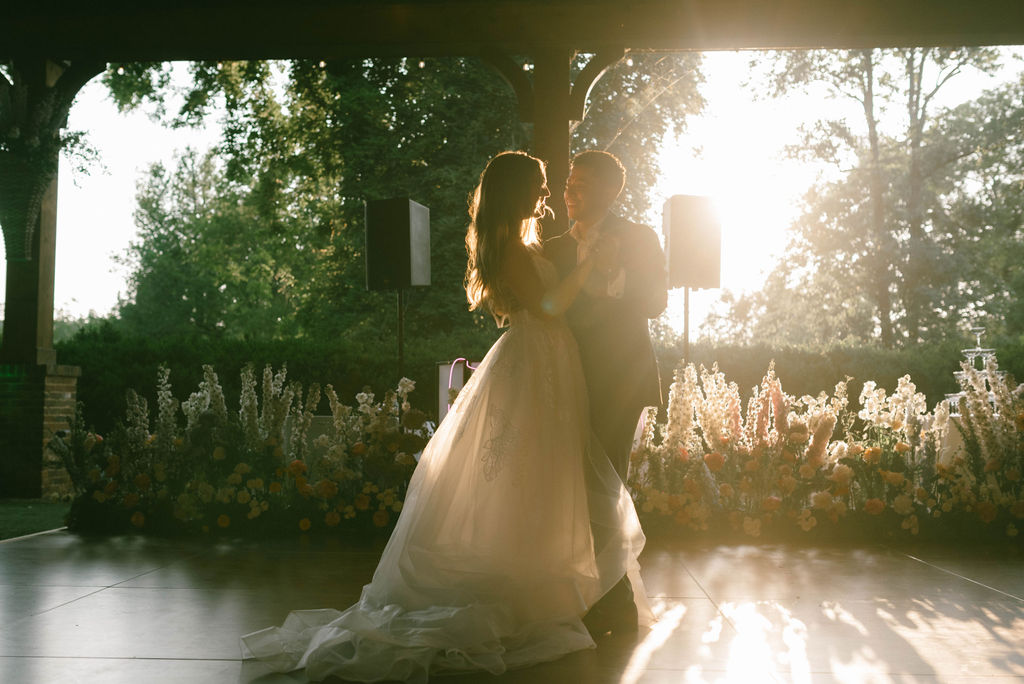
{"x":35,"y":402}
{"x":59,"y":397}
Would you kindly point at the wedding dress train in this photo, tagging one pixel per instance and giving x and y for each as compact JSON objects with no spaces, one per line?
{"x":514,"y":524}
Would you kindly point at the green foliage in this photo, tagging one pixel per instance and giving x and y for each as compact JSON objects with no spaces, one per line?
{"x":916,"y":234}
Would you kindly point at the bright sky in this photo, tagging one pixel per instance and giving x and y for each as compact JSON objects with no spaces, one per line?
{"x":740,"y":165}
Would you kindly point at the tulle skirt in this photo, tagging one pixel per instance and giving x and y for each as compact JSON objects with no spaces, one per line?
{"x":514,"y":525}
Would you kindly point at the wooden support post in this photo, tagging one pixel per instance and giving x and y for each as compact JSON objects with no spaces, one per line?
{"x":552,"y":92}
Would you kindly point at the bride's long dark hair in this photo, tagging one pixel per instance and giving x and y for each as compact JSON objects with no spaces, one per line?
{"x":501,"y":209}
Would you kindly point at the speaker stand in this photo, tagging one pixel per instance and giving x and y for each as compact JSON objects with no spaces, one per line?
{"x":686,"y":325}
{"x":401,"y":333}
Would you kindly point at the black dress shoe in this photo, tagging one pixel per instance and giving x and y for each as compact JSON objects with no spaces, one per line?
{"x":602,"y":622}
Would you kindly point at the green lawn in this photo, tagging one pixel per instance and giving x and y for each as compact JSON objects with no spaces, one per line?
{"x":25,"y":516}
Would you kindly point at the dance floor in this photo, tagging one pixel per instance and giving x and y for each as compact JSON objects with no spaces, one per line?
{"x":151,"y":611}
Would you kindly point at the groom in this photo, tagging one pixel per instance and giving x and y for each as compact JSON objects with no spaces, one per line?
{"x":609,"y":320}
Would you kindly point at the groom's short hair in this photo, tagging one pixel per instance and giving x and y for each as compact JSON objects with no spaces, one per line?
{"x":605,"y":164}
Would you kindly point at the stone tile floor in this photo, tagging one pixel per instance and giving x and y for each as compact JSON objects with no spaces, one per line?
{"x":134,"y":610}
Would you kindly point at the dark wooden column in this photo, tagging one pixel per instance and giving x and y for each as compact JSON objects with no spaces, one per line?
{"x":37,"y":396}
{"x":28,"y":309}
{"x":552,"y":98}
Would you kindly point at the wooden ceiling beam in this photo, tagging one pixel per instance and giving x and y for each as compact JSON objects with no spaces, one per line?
{"x":233,"y":29}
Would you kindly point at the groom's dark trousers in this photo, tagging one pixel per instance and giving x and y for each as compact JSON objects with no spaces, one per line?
{"x":615,"y":346}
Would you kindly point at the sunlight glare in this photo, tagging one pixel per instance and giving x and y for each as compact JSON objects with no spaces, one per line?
{"x":661,"y":630}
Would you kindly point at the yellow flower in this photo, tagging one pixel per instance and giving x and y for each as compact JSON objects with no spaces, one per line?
{"x":219,"y":453}
{"x":243,"y":497}
{"x":873,"y":454}
{"x":142,"y":481}
{"x":362,"y":502}
{"x":305,"y":524}
{"x":807,"y":471}
{"x":234,"y":479}
{"x":255,"y":484}
{"x":223,"y":520}
{"x":332,"y":518}
{"x":397,"y":507}
{"x":99,"y":496}
{"x":242,"y":468}
{"x":901,"y":447}
{"x":381,"y":518}
{"x":275,"y":488}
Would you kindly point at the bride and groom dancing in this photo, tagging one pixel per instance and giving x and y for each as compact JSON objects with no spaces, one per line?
{"x":518,"y":541}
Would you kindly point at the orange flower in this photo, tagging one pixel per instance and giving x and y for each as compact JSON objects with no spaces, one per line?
{"x":223,"y":520}
{"x":305,"y":524}
{"x":771,"y":503}
{"x":381,"y":518}
{"x":714,"y":461}
{"x":726,"y":490}
{"x":325,"y":489}
{"x":807,"y":471}
{"x":358,"y":449}
{"x":892,"y":477}
{"x":305,"y":490}
{"x":874,"y":506}
{"x":110,"y":488}
{"x":142,"y":481}
{"x":1012,"y":474}
{"x":297,"y":468}
{"x":275,"y":487}
{"x":901,"y":447}
{"x":752,"y":466}
{"x":992,"y":465}
{"x":361,"y":502}
{"x":131,"y":500}
{"x":921,"y":494}
{"x":873,"y":454}
{"x":138,"y":519}
{"x":788,"y":456}
{"x":787,"y":483}
{"x":986,"y":511}
{"x":332,"y":518}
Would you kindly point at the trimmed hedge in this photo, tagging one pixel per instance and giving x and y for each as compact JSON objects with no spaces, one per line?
{"x":113,"y":362}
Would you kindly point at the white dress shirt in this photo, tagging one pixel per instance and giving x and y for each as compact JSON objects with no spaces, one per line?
{"x":612,"y":285}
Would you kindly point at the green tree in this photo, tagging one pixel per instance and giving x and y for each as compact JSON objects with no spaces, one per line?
{"x":872,"y":258}
{"x":300,"y":158}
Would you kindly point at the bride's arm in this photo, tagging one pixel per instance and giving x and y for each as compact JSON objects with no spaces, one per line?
{"x":519,"y":272}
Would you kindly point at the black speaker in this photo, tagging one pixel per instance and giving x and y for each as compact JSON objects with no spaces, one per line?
{"x":397,"y":244}
{"x":693,"y":242}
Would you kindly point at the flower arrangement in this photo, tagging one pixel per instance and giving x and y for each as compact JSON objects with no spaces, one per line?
{"x":200,"y":467}
{"x":812,"y":466}
{"x":782,"y":466}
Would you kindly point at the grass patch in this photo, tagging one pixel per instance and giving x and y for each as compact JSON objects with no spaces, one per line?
{"x":25,"y":516}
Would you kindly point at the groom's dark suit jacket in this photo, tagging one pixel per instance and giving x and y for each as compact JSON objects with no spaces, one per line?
{"x":615,"y":345}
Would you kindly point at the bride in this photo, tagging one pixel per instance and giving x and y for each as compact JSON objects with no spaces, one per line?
{"x":515,"y":522}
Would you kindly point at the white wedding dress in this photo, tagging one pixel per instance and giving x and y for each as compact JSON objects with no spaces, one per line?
{"x":514,"y":524}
